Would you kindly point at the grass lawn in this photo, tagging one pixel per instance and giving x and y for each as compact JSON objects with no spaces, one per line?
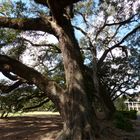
{"x":34,"y":113}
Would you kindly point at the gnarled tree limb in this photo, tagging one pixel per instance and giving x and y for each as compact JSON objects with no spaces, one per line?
{"x":50,"y":88}
{"x":26,"y":24}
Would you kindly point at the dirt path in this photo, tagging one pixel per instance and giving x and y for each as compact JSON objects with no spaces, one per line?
{"x":30,"y":128}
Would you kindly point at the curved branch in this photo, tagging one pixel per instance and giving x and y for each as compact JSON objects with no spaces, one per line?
{"x":7,"y":89}
{"x":129,"y":20}
{"x":122,"y":22}
{"x":83,"y":17}
{"x":10,"y":76}
{"x":117,"y":45}
{"x":36,"y":106}
{"x":81,"y":30}
{"x":50,"y":88}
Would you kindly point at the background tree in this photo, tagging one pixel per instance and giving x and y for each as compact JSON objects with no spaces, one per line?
{"x":107,"y":41}
{"x":120,"y":105}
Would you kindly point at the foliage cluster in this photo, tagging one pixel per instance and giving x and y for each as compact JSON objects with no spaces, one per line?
{"x":132,"y":114}
{"x":120,"y":105}
{"x":122,"y":122}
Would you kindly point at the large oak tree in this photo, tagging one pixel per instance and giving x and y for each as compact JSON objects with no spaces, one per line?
{"x":75,"y":102}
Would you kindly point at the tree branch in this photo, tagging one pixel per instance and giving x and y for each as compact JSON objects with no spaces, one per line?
{"x":122,"y":22}
{"x":81,"y":30}
{"x":50,"y":88}
{"x":10,"y":76}
{"x":26,"y":24}
{"x":39,"y":45}
{"x":115,"y":23}
{"x":117,"y":45}
{"x":36,"y":106}
{"x":83,"y":17}
{"x":7,"y":89}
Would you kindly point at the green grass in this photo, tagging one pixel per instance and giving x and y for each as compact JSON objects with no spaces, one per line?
{"x":35,"y":113}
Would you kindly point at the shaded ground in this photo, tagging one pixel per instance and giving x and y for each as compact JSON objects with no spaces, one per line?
{"x":44,"y":127}
{"x":109,"y":132}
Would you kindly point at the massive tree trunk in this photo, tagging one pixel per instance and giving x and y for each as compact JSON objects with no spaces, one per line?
{"x":80,"y":122}
{"x":75,"y":104}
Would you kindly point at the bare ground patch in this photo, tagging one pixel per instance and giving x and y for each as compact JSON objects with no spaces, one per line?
{"x":30,"y":128}
{"x":47,"y":127}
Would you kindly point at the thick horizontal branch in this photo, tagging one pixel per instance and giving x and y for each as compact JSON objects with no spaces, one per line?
{"x":11,"y":65}
{"x":26,"y":24}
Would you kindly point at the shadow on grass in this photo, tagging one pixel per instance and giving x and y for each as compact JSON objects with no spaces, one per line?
{"x":44,"y":127}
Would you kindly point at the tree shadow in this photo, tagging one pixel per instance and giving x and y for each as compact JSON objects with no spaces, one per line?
{"x":30,"y":128}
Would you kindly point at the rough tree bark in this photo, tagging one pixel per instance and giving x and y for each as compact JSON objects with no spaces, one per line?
{"x":79,"y":117}
{"x":75,"y":106}
{"x":100,"y":91}
{"x":107,"y":103}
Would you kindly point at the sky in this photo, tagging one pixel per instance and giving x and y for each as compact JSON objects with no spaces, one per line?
{"x":2,"y":76}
